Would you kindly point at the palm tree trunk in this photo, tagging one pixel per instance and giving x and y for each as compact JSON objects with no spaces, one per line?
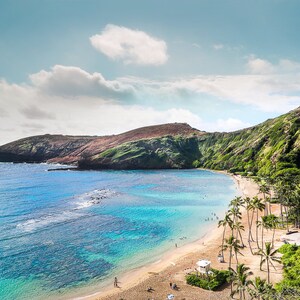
{"x":266,"y":207}
{"x":243,"y":245}
{"x":223,"y":238}
{"x":262,"y":236}
{"x":281,"y":213}
{"x":257,"y":229}
{"x":249,"y":242}
{"x":287,"y":218}
{"x":230,"y":256}
{"x":268,"y":270}
{"x":273,"y":236}
{"x":250,"y":228}
{"x":248,"y":220}
{"x":236,"y":258}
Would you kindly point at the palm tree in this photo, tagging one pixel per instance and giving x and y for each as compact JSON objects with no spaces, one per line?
{"x":297,"y":204}
{"x":237,"y":202}
{"x":234,"y":246}
{"x":264,"y":223}
{"x":240,"y":280}
{"x":226,"y":222}
{"x":285,"y":188}
{"x":268,"y":257}
{"x":273,"y":222}
{"x":239,"y":227}
{"x":249,"y":208}
{"x":261,"y":289}
{"x":265,"y":190}
{"x":258,"y":205}
{"x":235,"y":213}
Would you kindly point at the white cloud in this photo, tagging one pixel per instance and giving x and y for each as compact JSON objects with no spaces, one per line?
{"x":98,"y":104}
{"x":260,"y":66}
{"x":196,"y":45}
{"x":286,"y":65}
{"x":85,"y":116}
{"x":130,"y":46}
{"x":230,"y":124}
{"x":74,"y":82}
{"x":218,"y":46}
{"x":270,"y":93}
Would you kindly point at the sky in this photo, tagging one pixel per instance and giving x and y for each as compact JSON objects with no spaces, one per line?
{"x":87,"y":67}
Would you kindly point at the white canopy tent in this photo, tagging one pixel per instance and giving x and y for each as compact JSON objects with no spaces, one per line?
{"x":203,"y":266}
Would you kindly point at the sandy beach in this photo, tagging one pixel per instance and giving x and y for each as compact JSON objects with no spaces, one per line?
{"x":174,"y":265}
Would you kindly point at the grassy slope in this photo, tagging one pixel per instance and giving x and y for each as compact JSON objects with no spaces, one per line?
{"x":268,"y":148}
{"x":263,"y":149}
{"x":157,"y":153}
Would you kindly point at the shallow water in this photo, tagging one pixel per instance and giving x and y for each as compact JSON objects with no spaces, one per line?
{"x":64,"y":232}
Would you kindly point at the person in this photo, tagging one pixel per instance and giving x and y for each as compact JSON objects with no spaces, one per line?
{"x":176,"y":245}
{"x":116,"y":282}
{"x":170,"y":284}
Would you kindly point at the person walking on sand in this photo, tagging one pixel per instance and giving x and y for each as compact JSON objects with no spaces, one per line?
{"x":116,"y":282}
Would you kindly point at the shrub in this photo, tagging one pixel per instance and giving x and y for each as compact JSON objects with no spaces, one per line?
{"x":210,"y":282}
{"x":291,"y":274}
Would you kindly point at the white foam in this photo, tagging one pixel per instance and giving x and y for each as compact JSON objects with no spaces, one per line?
{"x":86,"y":200}
{"x":44,"y":221}
{"x":93,"y":198}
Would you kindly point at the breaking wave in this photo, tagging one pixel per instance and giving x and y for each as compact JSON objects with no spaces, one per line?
{"x":94,"y":197}
{"x":82,"y":201}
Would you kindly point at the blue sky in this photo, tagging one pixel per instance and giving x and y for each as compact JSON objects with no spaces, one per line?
{"x":101,"y":67}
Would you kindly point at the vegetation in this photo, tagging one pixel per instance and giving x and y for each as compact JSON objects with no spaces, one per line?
{"x":211,"y":281}
{"x":291,"y":263}
{"x":240,"y":281}
{"x":285,"y":190}
{"x":268,"y":256}
{"x":271,"y":148}
{"x":156,"y":153}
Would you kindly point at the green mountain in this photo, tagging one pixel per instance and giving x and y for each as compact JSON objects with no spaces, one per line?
{"x":272,"y":147}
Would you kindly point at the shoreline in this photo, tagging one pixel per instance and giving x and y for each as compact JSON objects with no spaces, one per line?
{"x":138,"y":277}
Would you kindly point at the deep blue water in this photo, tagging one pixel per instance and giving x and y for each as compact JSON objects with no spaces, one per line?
{"x":64,"y":232}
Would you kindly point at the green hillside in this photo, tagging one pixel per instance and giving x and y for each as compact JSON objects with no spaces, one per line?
{"x":158,"y":153}
{"x":269,"y":148}
{"x":272,"y":147}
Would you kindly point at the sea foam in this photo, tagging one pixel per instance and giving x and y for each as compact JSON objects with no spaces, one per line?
{"x":85,"y":200}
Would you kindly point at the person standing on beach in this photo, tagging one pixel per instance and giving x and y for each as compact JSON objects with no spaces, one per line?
{"x":116,"y":282}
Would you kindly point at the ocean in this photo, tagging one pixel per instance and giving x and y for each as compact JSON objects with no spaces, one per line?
{"x":65,"y":233}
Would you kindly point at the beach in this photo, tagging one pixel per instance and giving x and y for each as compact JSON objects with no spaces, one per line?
{"x":174,"y":265}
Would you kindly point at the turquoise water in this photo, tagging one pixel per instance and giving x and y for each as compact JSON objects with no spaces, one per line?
{"x":64,"y":233}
